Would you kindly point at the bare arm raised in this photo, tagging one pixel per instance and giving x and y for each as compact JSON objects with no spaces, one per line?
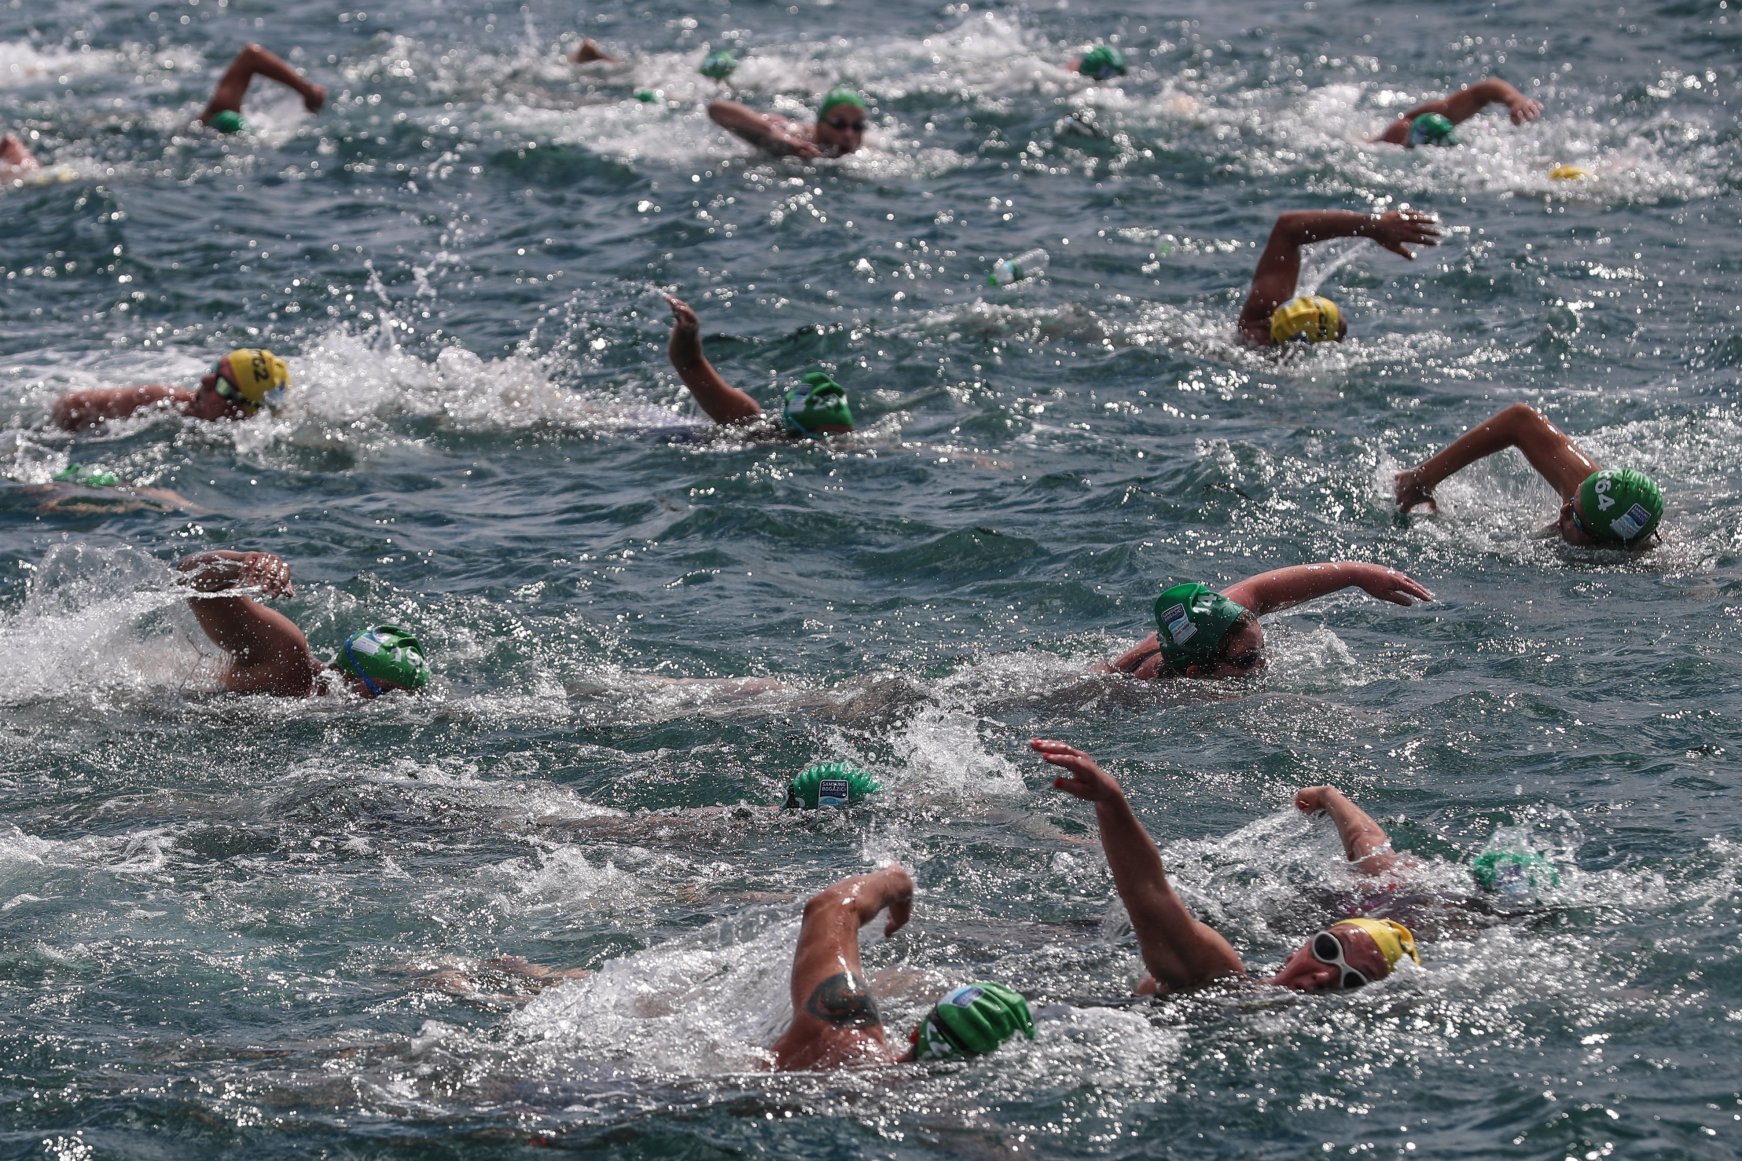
{"x":834,"y":1017}
{"x":1179,"y":950}
{"x":1281,"y":588}
{"x":1460,"y":106}
{"x":768,"y":132}
{"x":1364,"y":841}
{"x":268,"y":653}
{"x":1278,"y":272}
{"x":255,"y":60}
{"x":1550,"y":451}
{"x":723,"y":402}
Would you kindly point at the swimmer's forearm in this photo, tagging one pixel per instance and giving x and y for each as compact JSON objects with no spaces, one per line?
{"x":1304,"y":227}
{"x":1365,"y":842}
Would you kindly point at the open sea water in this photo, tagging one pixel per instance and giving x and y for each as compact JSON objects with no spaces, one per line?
{"x":215,"y":912}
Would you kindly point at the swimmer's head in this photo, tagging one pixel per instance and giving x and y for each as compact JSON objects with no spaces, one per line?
{"x":1617,"y":506}
{"x":816,"y":407}
{"x":1103,"y":62}
{"x":1514,"y":872}
{"x":1191,"y":623}
{"x":228,"y":121}
{"x":718,"y":65}
{"x":971,"y":1020}
{"x":829,"y":784}
{"x":87,"y":476}
{"x":251,"y":378}
{"x":841,"y":118}
{"x":1350,"y":953}
{"x":1431,"y":129}
{"x":1309,"y":318}
{"x":383,"y":658}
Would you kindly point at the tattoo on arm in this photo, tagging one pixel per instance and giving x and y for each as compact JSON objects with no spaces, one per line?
{"x":845,"y":1000}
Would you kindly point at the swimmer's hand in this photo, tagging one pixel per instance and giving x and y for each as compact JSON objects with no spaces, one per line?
{"x":1396,"y":229}
{"x":1523,"y":108}
{"x":1086,"y":780}
{"x":1313,"y":799}
{"x":218,"y":572}
{"x":1388,"y":584}
{"x":895,"y":888}
{"x":1410,"y":493}
{"x":683,"y":317}
{"x":314,"y":97}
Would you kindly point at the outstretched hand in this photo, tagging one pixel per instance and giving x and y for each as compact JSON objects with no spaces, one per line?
{"x":1399,"y":228}
{"x":1388,"y":584}
{"x":683,"y":316}
{"x":314,"y":98}
{"x":1409,"y":492}
{"x":1086,"y":778}
{"x":262,"y":571}
{"x":1524,"y":109}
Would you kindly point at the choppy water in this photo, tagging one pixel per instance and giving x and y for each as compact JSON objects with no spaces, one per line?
{"x":213,"y":912}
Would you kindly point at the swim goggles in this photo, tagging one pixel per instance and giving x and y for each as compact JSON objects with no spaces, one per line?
{"x":1327,"y":948}
{"x":228,"y":391}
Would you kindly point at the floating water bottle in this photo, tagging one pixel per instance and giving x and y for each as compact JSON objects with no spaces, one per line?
{"x":1028,"y":264}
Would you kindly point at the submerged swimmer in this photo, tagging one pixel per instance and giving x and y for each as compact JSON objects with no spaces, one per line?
{"x":16,"y":160}
{"x":224,"y":111}
{"x":1431,"y":123}
{"x":237,"y":386}
{"x":1273,"y":315}
{"x":838,"y":130}
{"x":1180,"y":951}
{"x":1605,"y":507}
{"x":1203,"y":633}
{"x":815,"y":407}
{"x":588,"y":51}
{"x":835,"y":1023}
{"x":268,"y":654}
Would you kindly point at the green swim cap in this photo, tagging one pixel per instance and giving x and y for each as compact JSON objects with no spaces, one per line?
{"x":1620,"y":505}
{"x":837,"y":96}
{"x":385,"y":653}
{"x":971,"y":1020}
{"x":819,"y":401}
{"x":718,"y":65}
{"x":228,"y":121}
{"x":87,"y":476}
{"x":1514,"y":872}
{"x":1190,"y":622}
{"x":1102,"y":63}
{"x":829,"y":784}
{"x":1431,"y":129}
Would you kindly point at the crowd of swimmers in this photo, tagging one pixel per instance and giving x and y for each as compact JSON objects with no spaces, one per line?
{"x":1201,"y":633}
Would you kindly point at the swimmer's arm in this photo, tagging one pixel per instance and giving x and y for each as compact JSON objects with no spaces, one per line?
{"x":829,"y":993}
{"x":1550,"y":451}
{"x":1179,"y":950}
{"x":1282,"y":588}
{"x":78,"y":410}
{"x":1142,"y":660}
{"x":256,"y":59}
{"x":268,"y":653}
{"x":723,"y":402}
{"x":1365,"y":842}
{"x":765,"y":131}
{"x":1278,"y":273}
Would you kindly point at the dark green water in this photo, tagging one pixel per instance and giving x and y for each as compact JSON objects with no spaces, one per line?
{"x":213,"y":912}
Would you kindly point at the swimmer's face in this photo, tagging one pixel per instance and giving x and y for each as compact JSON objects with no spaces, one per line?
{"x":842,"y":131}
{"x":1305,"y":972}
{"x":1571,"y":524}
{"x":1242,"y":653}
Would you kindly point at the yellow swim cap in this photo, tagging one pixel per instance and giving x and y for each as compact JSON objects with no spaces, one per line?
{"x":259,"y":378}
{"x":1566,"y":173}
{"x":1308,"y":317}
{"x":1393,"y":938}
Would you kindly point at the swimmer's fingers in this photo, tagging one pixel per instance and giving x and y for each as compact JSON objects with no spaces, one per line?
{"x":1310,"y":799}
{"x":1397,"y":588}
{"x":1526,"y":110}
{"x":1409,"y":493}
{"x":1087,"y":780}
{"x":268,"y":573}
{"x":682,"y":314}
{"x":315,"y":98}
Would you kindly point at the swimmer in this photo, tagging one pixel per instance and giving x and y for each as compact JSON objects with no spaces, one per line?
{"x":224,"y":111}
{"x":1101,"y":63}
{"x":1273,"y":315}
{"x":1601,"y":507}
{"x":1180,"y":951}
{"x":815,"y":407}
{"x":839,"y":128}
{"x":268,"y":654}
{"x":237,"y":386}
{"x":1205,"y":634}
{"x":16,"y":160}
{"x":835,"y":1023}
{"x":1431,"y":123}
{"x":588,"y":51}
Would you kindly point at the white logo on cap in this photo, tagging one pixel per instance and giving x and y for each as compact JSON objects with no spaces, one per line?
{"x":832,"y":792}
{"x":1178,"y":624}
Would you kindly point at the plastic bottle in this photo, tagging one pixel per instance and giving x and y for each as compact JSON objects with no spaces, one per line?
{"x":1027,"y":264}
